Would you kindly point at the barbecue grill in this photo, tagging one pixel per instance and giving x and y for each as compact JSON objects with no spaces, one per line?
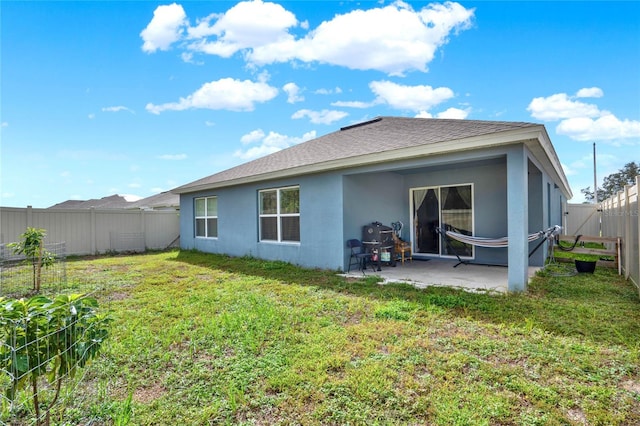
{"x":378,"y":239}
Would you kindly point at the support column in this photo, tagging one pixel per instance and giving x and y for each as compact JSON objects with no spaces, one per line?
{"x":517,"y":219}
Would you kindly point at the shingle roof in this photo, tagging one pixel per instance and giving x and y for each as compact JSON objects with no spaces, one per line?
{"x":111,"y":202}
{"x":158,"y":201}
{"x":380,"y":135}
{"x":162,"y":200}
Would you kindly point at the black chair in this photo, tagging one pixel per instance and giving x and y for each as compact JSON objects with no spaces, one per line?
{"x":358,"y":254}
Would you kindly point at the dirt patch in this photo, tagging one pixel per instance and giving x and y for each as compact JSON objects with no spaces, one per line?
{"x":576,"y":415}
{"x":118,"y":296}
{"x":149,"y":394}
{"x":631,"y":386}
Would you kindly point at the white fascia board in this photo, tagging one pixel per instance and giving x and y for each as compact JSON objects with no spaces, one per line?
{"x":547,"y":157}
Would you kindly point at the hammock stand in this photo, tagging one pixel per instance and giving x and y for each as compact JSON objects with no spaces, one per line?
{"x":492,"y":242}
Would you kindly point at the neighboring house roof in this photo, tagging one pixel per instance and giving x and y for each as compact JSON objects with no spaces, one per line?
{"x":69,"y":204}
{"x":386,"y":139}
{"x":111,"y":202}
{"x":164,"y":200}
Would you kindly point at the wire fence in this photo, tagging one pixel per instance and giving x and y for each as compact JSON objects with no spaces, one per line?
{"x":46,"y":336}
{"x":44,"y":345}
{"x":18,"y":273}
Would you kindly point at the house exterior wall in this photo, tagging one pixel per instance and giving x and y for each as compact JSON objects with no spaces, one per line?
{"x":320,"y":223}
{"x":373,"y":197}
{"x":334,"y":206}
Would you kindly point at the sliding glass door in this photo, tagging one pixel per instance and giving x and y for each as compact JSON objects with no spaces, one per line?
{"x":448,"y":207}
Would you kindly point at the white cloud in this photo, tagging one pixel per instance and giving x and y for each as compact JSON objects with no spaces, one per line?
{"x":354,"y":104}
{"x":323,"y":91}
{"x":226,"y":93}
{"x":209,"y":123}
{"x":393,"y":39}
{"x":590,"y":92}
{"x":568,"y":170}
{"x":173,"y":157}
{"x":606,"y":127}
{"x":247,"y":25}
{"x":117,"y":109}
{"x":583,"y":121}
{"x":273,"y":142}
{"x":91,"y":116}
{"x":456,"y":113}
{"x":165,"y":28}
{"x":560,"y":106}
{"x":320,"y":117}
{"x":413,"y":98}
{"x":293,"y":93}
{"x":253,"y":136}
{"x":130,"y":197}
{"x":5,"y":124}
{"x":451,"y":113}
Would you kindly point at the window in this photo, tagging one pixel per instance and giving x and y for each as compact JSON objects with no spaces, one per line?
{"x":206,"y":214}
{"x":280,"y":214}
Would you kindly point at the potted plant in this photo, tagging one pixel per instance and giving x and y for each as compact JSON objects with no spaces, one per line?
{"x":586,"y":263}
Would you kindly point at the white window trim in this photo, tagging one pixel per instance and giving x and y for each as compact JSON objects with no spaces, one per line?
{"x":276,"y":215}
{"x":205,"y":217}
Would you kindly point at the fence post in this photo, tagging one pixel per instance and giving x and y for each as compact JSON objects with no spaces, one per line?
{"x":637,"y":236}
{"x":29,"y":213}
{"x":627,"y":231}
{"x":92,"y":212}
{"x":143,"y":227}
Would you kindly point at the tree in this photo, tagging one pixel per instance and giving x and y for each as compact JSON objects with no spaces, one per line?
{"x":614,"y":183}
{"x":32,"y":247}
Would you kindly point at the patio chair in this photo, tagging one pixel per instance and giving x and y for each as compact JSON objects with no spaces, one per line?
{"x":358,"y":254}
{"x":402,"y":249}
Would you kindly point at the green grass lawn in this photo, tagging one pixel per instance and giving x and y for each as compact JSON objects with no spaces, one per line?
{"x":203,"y":339}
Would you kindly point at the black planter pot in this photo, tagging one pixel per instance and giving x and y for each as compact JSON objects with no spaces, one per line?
{"x":587,"y":266}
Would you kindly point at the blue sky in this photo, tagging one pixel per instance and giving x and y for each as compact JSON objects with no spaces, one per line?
{"x":139,"y":97}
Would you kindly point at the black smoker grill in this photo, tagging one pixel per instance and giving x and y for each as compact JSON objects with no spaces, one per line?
{"x":378,"y":239}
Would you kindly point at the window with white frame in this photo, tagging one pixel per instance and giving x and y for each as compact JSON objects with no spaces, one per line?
{"x":280,"y":214}
{"x":206,"y":215}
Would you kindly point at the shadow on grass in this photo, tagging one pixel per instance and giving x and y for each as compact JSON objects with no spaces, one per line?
{"x":600,"y":307}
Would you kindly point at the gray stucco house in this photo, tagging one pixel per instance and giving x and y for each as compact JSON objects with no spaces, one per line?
{"x":301,"y":204}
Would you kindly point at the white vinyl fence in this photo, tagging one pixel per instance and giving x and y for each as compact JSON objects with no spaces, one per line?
{"x":92,"y":231}
{"x":620,"y":219}
{"x":582,"y":219}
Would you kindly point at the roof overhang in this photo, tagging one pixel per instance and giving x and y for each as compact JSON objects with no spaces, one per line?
{"x":534,"y":137}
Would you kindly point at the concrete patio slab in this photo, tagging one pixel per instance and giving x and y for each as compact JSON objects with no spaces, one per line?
{"x":441,"y":272}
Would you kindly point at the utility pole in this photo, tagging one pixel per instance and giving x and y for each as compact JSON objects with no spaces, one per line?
{"x":595,"y":184}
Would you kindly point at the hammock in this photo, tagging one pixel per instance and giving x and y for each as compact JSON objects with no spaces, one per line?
{"x":496,"y":242}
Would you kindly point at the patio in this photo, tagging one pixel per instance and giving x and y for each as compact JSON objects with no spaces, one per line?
{"x":441,"y":272}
